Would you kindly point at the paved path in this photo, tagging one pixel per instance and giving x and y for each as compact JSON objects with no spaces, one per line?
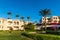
{"x":32,"y":32}
{"x":26,"y":38}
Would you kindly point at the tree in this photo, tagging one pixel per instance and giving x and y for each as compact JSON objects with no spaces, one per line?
{"x":36,"y":22}
{"x":17,"y":16}
{"x":29,"y":27}
{"x":22,"y":18}
{"x":28,"y":18}
{"x":59,"y":20}
{"x":9,"y":14}
{"x":44,"y":13}
{"x":23,"y":22}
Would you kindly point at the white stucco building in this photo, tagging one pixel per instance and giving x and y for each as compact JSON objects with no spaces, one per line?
{"x":50,"y":20}
{"x":5,"y":24}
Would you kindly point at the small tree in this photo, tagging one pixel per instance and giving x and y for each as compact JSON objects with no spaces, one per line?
{"x":29,"y":26}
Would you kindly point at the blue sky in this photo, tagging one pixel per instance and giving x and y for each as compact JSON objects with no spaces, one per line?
{"x":28,"y":8}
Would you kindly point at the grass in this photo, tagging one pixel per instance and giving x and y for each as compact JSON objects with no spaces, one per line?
{"x":15,"y":35}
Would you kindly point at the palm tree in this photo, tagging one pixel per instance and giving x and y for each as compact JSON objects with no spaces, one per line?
{"x":44,"y":13}
{"x":17,"y":16}
{"x":35,"y":22}
{"x":22,"y":18}
{"x":28,"y":18}
{"x":9,"y":14}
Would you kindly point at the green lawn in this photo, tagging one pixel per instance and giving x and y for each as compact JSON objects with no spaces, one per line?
{"x":15,"y":35}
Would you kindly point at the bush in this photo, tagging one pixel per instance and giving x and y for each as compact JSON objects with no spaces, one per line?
{"x":53,"y":32}
{"x":29,"y":26}
{"x":42,"y":36}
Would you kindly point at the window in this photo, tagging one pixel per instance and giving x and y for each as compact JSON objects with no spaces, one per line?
{"x":14,"y":22}
{"x":55,"y":21}
{"x":51,"y":28}
{"x":22,"y":26}
{"x":8,"y":26}
{"x":17,"y":23}
{"x":9,"y":22}
{"x":59,"y":17}
{"x":16,"y":27}
{"x":0,"y":21}
{"x":48,"y":18}
{"x":0,"y":26}
{"x":59,"y":28}
{"x":43,"y":18}
{"x":54,"y":17}
{"x":49,"y":21}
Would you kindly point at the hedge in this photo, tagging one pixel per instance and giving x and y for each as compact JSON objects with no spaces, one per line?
{"x":53,"y":32}
{"x":42,"y":36}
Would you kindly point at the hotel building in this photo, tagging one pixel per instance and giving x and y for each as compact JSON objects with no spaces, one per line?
{"x":50,"y":21}
{"x":5,"y":24}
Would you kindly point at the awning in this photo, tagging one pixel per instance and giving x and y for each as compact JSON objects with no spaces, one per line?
{"x":54,"y":23}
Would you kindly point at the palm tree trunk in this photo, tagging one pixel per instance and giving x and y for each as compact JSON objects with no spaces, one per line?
{"x":28,"y":20}
{"x":24,"y":27}
{"x":45,"y":22}
{"x":8,"y":16}
{"x":24,"y":24}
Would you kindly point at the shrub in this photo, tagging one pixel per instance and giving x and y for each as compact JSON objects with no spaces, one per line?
{"x":53,"y":32}
{"x":29,"y":26}
{"x":42,"y":36}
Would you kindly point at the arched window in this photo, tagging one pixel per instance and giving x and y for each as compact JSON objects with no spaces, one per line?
{"x":9,"y":22}
{"x":17,"y":23}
